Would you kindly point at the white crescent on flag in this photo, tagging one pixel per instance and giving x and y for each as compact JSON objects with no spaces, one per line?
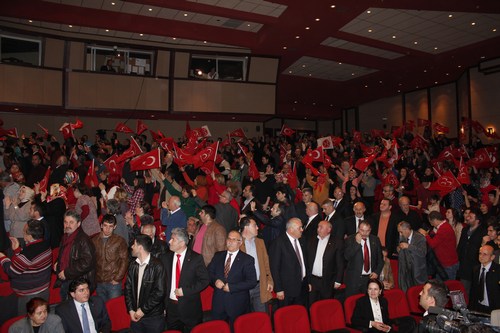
{"x":315,"y":154}
{"x":150,"y":161}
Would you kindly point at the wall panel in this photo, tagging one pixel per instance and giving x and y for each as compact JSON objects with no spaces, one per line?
{"x":444,"y":107}
{"x":485,"y":100}
{"x":383,"y":112}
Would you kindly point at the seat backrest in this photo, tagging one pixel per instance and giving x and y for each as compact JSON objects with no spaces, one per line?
{"x":349,"y":305}
{"x":8,"y":323}
{"x":118,"y":314}
{"x":291,"y":319}
{"x":397,"y":302}
{"x":5,"y":289}
{"x":327,"y":315}
{"x":456,"y":285}
{"x":413,"y":298}
{"x":253,"y":322}
{"x":395,"y":272}
{"x":54,"y":293}
{"x":206,"y":298}
{"x":213,"y":326}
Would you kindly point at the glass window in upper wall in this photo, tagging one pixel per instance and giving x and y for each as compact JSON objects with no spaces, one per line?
{"x":215,"y":67}
{"x":19,"y":50}
{"x":117,"y":60}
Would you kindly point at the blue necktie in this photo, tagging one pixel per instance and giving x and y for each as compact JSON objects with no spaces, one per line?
{"x":85,"y":320}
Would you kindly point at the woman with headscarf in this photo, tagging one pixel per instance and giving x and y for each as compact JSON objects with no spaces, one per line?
{"x":18,"y":211}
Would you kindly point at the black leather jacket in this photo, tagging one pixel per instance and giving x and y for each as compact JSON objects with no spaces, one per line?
{"x":152,"y":295}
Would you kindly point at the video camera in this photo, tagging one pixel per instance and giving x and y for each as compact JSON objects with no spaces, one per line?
{"x":454,"y":321}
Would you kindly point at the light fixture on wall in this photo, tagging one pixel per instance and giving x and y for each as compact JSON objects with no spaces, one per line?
{"x":490,"y":130}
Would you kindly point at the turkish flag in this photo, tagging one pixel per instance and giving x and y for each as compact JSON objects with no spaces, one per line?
{"x":121,"y":127}
{"x":77,"y":125}
{"x":418,"y":142}
{"x":224,"y":143}
{"x":482,"y":159}
{"x":463,"y":175}
{"x":237,"y":133}
{"x":363,"y":163}
{"x":398,"y":132}
{"x":156,"y":135}
{"x":445,"y":184}
{"x":151,"y":160}
{"x":441,"y":128}
{"x":67,"y":131}
{"x":45,"y":181}
{"x":336,"y":141}
{"x":286,"y":131}
{"x":391,"y":179}
{"x":423,"y":122}
{"x":198,"y":133}
{"x":446,"y":154}
{"x":325,"y":142}
{"x":369,"y":150}
{"x":208,"y":167}
{"x":207,"y":154}
{"x":253,"y":172}
{"x":141,"y":127}
{"x":166,"y":144}
{"x":181,"y":157}
{"x":244,"y":149}
{"x":91,"y":177}
{"x":113,"y":165}
{"x":132,"y":151}
{"x":315,"y":155}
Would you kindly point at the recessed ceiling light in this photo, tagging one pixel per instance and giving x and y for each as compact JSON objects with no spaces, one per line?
{"x":314,"y":103}
{"x":473,"y":23}
{"x":425,"y":70}
{"x":112,"y":4}
{"x":233,"y":118}
{"x":305,"y":118}
{"x":310,"y":74}
{"x":416,"y":87}
{"x":107,"y":30}
{"x":297,"y":37}
{"x":284,"y":47}
{"x":482,"y":57}
{"x":494,"y":30}
{"x":340,"y":63}
{"x":295,"y":102}
{"x":399,"y":91}
{"x":400,"y":84}
{"x":393,"y":36}
{"x":152,"y":116}
{"x":141,"y":35}
{"x":415,"y":42}
{"x":204,"y":42}
{"x":368,"y":11}
{"x":435,"y":82}
{"x":248,"y":24}
{"x":370,"y":30}
{"x":459,"y":66}
{"x":290,"y":72}
{"x":447,"y":74}
{"x":30,"y":21}
{"x":380,"y":82}
{"x":450,"y":16}
{"x":70,"y":26}
{"x":185,"y":14}
{"x":307,"y":28}
{"x":332,"y":6}
{"x":317,"y":19}
{"x":150,"y":9}
{"x":16,"y":109}
{"x":174,"y":38}
{"x":366,"y":86}
{"x":435,"y":47}
{"x":331,"y":105}
{"x":353,"y":74}
{"x":303,"y":66}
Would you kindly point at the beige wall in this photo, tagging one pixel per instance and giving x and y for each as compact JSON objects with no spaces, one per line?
{"x":372,"y":115}
{"x":444,"y":107}
{"x":485,"y":100}
{"x":53,"y":53}
{"x":263,"y":70}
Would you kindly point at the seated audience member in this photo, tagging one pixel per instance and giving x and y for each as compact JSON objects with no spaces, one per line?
{"x":434,"y":293}
{"x":30,"y":267}
{"x":111,"y":259}
{"x":386,"y":276}
{"x":485,"y":288}
{"x":80,"y":310}
{"x":371,"y":313}
{"x":38,"y":319}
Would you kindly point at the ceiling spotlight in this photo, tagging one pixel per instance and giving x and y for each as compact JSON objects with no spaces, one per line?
{"x":317,"y":20}
{"x":310,"y":74}
{"x":204,"y":42}
{"x":332,"y":6}
{"x":112,"y":4}
{"x":340,"y":63}
{"x":297,"y":37}
{"x":435,"y":47}
{"x":185,"y":14}
{"x":494,"y":30}
{"x":248,"y":24}
{"x":368,"y":11}
{"x":415,"y":42}
{"x":174,"y":38}
{"x":307,"y":28}
{"x":425,"y":70}
{"x":30,"y":21}
{"x":141,"y":35}
{"x":70,"y":26}
{"x":366,"y":86}
{"x":435,"y":82}
{"x":150,"y":9}
{"x":303,"y":66}
{"x":370,"y":30}
{"x":447,"y":74}
{"x":352,"y":74}
{"x":107,"y":30}
{"x":393,"y":36}
{"x":473,"y":23}
{"x":295,"y":102}
{"x":290,"y":72}
{"x":450,"y":16}
{"x":284,"y":47}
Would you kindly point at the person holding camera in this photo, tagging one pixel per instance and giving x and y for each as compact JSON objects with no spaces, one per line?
{"x":434,"y":293}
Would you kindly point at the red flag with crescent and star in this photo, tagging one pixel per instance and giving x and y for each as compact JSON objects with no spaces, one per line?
{"x":286,"y":131}
{"x":151,"y":160}
{"x":207,"y":154}
{"x":113,"y":165}
{"x":91,"y":177}
{"x":325,"y":142}
{"x":132,"y":151}
{"x":445,"y":184}
{"x":45,"y":181}
{"x":121,"y":127}
{"x":141,"y":127}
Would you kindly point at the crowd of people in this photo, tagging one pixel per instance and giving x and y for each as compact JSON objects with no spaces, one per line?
{"x":272,"y":220}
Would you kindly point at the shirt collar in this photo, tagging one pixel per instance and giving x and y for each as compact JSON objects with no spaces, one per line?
{"x":145,"y":261}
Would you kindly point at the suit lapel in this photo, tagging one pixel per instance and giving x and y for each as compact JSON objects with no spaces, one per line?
{"x":74,"y":317}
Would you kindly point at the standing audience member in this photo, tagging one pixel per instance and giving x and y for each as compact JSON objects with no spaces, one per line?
{"x":145,"y":289}
{"x":352,"y":222}
{"x":288,"y":268}
{"x":412,"y":251}
{"x":255,"y":247}
{"x":186,"y":277}
{"x":82,"y":312}
{"x":18,"y":211}
{"x":363,"y":253}
{"x":38,"y":319}
{"x":485,"y":289}
{"x":36,"y":213}
{"x":313,"y":219}
{"x":159,"y":246}
{"x":232,"y":273}
{"x":37,"y":171}
{"x":409,"y":215}
{"x":211,"y":236}
{"x":275,"y":224}
{"x":325,"y":263}
{"x":86,"y":207}
{"x":332,"y":215}
{"x":54,"y":207}
{"x":225,"y":214}
{"x":300,"y":207}
{"x":385,"y":226}
{"x":76,"y":255}
{"x":121,"y":229}
{"x":10,"y":189}
{"x":172,"y":216}
{"x":111,"y":259}
{"x":29,"y":268}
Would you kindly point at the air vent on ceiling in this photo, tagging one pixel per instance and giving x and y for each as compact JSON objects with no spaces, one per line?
{"x":231,"y":23}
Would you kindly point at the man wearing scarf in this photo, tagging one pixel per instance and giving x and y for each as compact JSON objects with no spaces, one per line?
{"x":76,"y":255}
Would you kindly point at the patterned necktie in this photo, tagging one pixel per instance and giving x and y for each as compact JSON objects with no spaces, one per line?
{"x":85,"y":320}
{"x":297,"y":252}
{"x":178,"y":271}
{"x":335,"y":204}
{"x":480,"y":296}
{"x":366,"y":256}
{"x":227,"y":266}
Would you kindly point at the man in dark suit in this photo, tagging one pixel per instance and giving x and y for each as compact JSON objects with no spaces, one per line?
{"x":287,"y":259}
{"x":340,"y":205}
{"x":325,"y":264}
{"x":385,"y":226}
{"x":300,"y":207}
{"x":313,"y":218}
{"x":434,"y":293}
{"x":248,"y":196}
{"x":186,"y":277}
{"x":172,"y":216}
{"x":363,"y":253}
{"x":80,"y":311}
{"x":333,"y":216}
{"x":232,"y":273}
{"x":485,"y":290}
{"x":412,"y":251}
{"x":352,"y":222}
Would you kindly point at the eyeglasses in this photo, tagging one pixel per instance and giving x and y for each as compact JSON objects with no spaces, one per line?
{"x":234,"y":239}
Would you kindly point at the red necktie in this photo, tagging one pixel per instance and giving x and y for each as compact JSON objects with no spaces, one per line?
{"x":178,"y":271}
{"x":366,"y":259}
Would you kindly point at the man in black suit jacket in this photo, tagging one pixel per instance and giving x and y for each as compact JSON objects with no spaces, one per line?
{"x":340,"y":204}
{"x":352,"y":222}
{"x":356,"y":275}
{"x":300,"y":207}
{"x":391,"y":228}
{"x":333,"y":216}
{"x":287,"y":259}
{"x":232,"y":273}
{"x":247,"y":199}
{"x":325,"y":264}
{"x":182,"y":301}
{"x":73,"y":309}
{"x":313,"y":218}
{"x":487,"y":299}
{"x":434,"y":293}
